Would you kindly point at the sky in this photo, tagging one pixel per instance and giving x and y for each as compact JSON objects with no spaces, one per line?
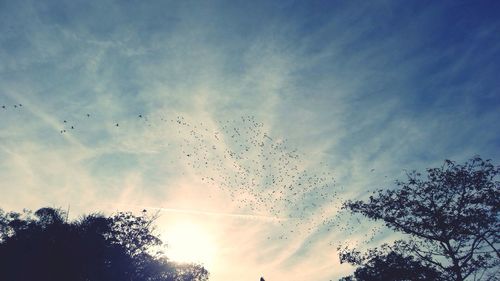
{"x":198,"y":110}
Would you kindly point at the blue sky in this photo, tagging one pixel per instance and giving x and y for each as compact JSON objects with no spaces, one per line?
{"x":352,"y":85}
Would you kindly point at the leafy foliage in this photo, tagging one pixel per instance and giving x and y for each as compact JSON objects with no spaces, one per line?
{"x":451,"y":216}
{"x":44,"y":246}
{"x":387,"y":264}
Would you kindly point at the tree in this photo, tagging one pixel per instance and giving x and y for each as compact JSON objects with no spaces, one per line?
{"x":387,"y":264}
{"x":44,"y":246}
{"x":450,"y":217}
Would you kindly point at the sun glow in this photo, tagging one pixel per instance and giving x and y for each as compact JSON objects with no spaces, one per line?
{"x":189,"y":242}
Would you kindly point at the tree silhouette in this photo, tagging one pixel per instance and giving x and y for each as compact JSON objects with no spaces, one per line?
{"x":387,"y":264}
{"x":451,"y":217}
{"x":44,"y":246}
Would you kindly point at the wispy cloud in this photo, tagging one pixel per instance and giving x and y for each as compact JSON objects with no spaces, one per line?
{"x":361,"y":90}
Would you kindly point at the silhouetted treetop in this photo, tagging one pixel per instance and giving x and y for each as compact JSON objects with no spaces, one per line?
{"x":44,"y":246}
{"x":451,"y":216}
{"x":387,"y":264}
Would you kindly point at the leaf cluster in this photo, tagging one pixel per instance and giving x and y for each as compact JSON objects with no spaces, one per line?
{"x":92,"y":248}
{"x":387,"y":263}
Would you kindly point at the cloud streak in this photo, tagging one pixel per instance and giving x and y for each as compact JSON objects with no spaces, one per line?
{"x":362,"y":90}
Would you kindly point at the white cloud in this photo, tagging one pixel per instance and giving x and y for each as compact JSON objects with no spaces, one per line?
{"x":344,"y":85}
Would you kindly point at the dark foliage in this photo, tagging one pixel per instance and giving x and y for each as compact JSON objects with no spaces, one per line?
{"x":451,"y":217}
{"x":387,"y":264}
{"x":44,"y":246}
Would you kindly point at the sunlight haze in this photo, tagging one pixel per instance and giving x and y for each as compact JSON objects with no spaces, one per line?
{"x":244,"y":124}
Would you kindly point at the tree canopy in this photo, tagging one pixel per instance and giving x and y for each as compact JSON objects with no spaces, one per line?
{"x":45,"y":246}
{"x":450,"y":217}
{"x":387,"y":264}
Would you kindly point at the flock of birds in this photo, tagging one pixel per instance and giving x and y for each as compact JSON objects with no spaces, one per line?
{"x":262,"y":173}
